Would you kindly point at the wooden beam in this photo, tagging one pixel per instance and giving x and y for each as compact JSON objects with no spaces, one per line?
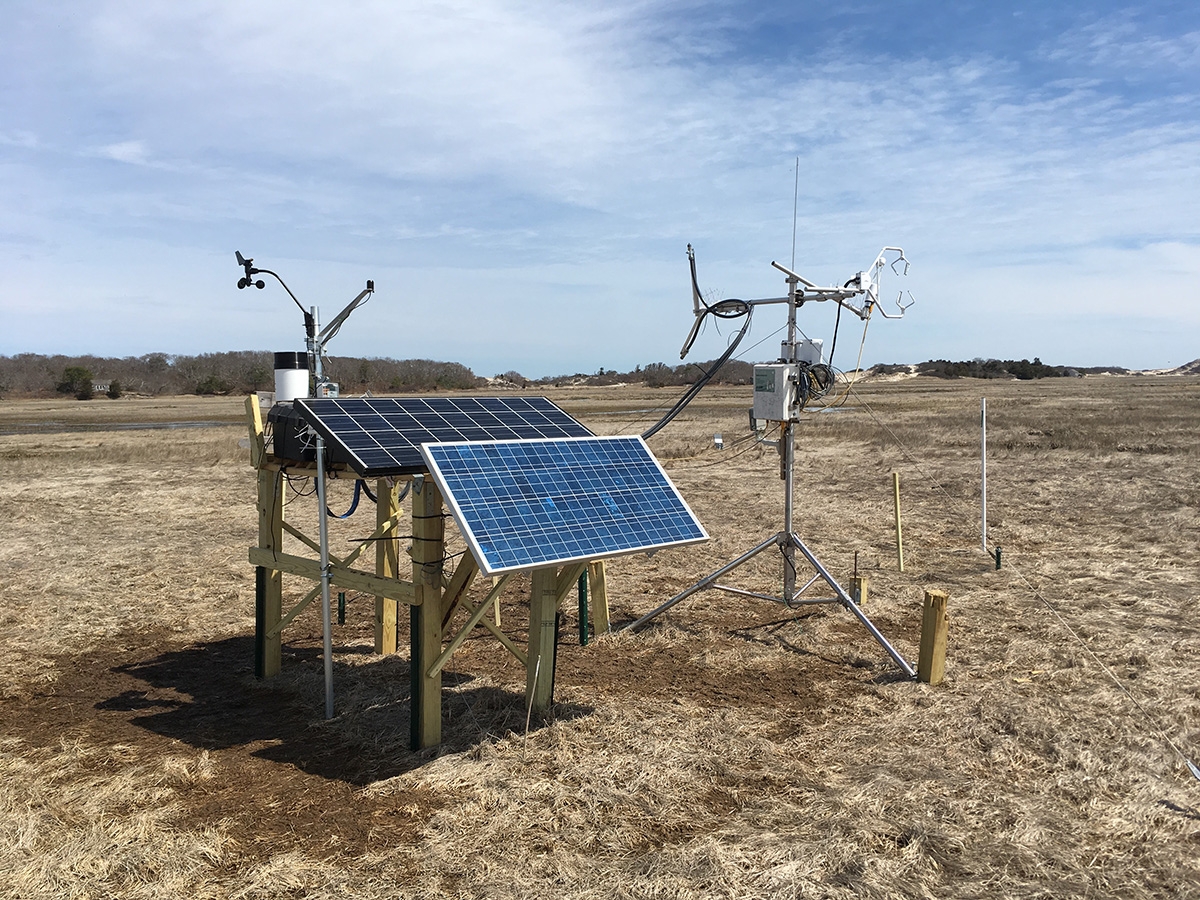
{"x":567,"y":579}
{"x":425,"y":630}
{"x":935,"y":624}
{"x":456,"y":588}
{"x":268,"y":576}
{"x":477,"y":614}
{"x":387,"y":564}
{"x":598,"y":596}
{"x":539,"y":667}
{"x":257,"y":440}
{"x":295,"y":611}
{"x":310,"y":543}
{"x":350,"y":579}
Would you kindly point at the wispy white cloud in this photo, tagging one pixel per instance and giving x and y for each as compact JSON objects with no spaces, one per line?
{"x":505,"y":140}
{"x":1124,"y":41}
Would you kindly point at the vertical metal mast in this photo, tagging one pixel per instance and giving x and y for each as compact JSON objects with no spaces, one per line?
{"x":799,"y":384}
{"x":323,"y":531}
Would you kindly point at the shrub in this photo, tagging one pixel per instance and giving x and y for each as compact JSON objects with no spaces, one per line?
{"x":76,"y":380}
{"x":114,"y":390}
{"x":212,"y":384}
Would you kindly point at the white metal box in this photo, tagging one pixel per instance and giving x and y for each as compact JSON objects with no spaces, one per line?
{"x":774,"y":392}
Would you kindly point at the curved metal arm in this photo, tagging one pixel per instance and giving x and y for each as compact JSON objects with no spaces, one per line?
{"x":903,"y":306}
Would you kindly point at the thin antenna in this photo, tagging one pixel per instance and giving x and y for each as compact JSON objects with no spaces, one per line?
{"x":795,"y":206}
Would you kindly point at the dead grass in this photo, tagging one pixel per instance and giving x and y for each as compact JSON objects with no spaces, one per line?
{"x":735,"y":750}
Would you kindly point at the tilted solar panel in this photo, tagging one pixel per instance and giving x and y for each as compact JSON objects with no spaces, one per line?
{"x":533,"y":503}
{"x":380,"y":436}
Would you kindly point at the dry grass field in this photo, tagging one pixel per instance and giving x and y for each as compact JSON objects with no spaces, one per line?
{"x":734,"y":749}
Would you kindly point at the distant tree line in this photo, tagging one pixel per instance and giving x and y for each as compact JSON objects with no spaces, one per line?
{"x":239,"y":372}
{"x":1021,"y":369}
{"x":235,"y":372}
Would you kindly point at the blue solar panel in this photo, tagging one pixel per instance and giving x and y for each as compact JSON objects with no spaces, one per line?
{"x":381,"y":435}
{"x":533,"y":503}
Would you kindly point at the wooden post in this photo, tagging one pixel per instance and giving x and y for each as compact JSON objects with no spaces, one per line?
{"x":254,"y":422}
{"x":496,"y":602}
{"x":598,"y":596}
{"x":387,"y":623}
{"x":539,"y":670}
{"x":268,"y":583}
{"x":899,"y":538}
{"x":858,"y":589}
{"x":935,"y":622}
{"x":426,"y":621}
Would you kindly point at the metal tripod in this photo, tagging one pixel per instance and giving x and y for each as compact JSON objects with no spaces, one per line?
{"x":787,"y":540}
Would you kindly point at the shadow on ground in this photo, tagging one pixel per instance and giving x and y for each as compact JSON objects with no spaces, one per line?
{"x":203,"y":696}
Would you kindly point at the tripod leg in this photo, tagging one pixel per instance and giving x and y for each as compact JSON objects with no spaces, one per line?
{"x":854,"y":608}
{"x":702,"y":583}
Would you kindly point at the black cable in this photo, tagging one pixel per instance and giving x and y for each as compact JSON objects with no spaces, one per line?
{"x":836,"y":324}
{"x":690,"y":394}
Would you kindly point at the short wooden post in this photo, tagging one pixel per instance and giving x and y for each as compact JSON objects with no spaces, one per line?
{"x":496,"y":602}
{"x":935,"y":622}
{"x":268,"y":583}
{"x":598,"y":596}
{"x":858,"y":589}
{"x":543,"y":609}
{"x":387,"y":623}
{"x":426,"y":616}
{"x":899,"y":538}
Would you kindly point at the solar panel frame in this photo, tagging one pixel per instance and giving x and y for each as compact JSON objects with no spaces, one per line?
{"x":530,"y":504}
{"x":381,"y":436}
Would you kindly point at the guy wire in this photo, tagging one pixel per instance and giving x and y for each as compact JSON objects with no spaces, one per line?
{"x":1147,"y":717}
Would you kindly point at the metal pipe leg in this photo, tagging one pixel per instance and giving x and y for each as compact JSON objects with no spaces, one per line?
{"x":854,"y":608}
{"x":702,"y":583}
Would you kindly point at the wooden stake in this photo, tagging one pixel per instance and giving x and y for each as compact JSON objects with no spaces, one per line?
{"x":858,"y":589}
{"x":539,"y":667}
{"x":899,"y":538}
{"x":426,"y":619}
{"x":935,"y":623}
{"x":387,"y":620}
{"x":268,"y":582}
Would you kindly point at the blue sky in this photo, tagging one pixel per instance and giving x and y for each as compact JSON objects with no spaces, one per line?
{"x":521,"y":179}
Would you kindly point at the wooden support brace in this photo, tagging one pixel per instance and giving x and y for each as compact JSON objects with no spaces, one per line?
{"x":310,"y":543}
{"x":567,"y":579}
{"x":495,"y":581}
{"x":283,"y":623}
{"x":456,"y":587}
{"x":425,"y":630}
{"x":476,"y":617}
{"x":598,"y":596}
{"x":935,"y":623}
{"x":387,"y":564}
{"x":350,"y":579}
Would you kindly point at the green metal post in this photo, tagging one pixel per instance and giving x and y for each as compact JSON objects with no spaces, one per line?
{"x":583,"y":609}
